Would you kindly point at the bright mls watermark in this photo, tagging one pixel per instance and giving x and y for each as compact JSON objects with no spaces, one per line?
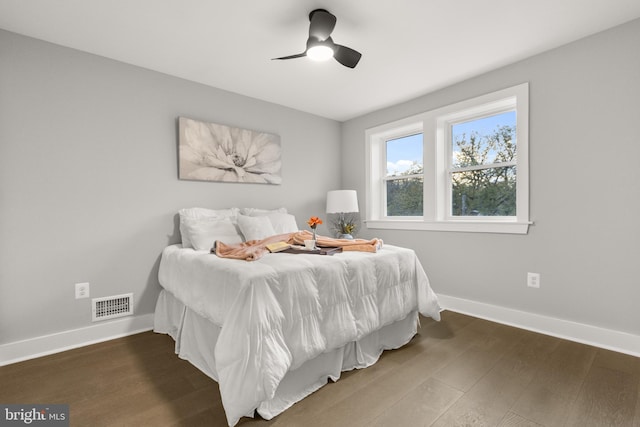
{"x":34,"y":415}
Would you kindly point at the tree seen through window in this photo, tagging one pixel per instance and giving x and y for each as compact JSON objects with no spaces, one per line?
{"x":483,"y":167}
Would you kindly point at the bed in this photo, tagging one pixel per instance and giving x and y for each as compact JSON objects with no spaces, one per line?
{"x":274,"y":330}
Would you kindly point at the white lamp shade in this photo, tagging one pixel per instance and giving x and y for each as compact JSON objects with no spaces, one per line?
{"x":340,"y":201}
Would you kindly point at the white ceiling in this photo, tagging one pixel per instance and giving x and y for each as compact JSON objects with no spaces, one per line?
{"x":409,"y":47}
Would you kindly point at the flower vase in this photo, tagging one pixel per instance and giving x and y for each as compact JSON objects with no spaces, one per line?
{"x":314,"y":238}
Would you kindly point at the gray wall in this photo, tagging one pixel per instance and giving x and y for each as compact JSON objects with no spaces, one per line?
{"x":88,"y":177}
{"x":584,"y":188}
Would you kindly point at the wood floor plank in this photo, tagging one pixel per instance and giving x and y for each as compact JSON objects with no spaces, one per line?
{"x":468,"y":412}
{"x":489,"y":400}
{"x":607,"y":397}
{"x":515,"y":420}
{"x":421,"y":406}
{"x":543,"y":405}
{"x":465,"y":370}
{"x":556,"y":384}
{"x":619,"y":361}
{"x":508,"y":379}
{"x":636,"y":419}
{"x":185,"y":410}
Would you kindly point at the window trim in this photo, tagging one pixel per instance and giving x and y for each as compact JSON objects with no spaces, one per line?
{"x":433,"y":125}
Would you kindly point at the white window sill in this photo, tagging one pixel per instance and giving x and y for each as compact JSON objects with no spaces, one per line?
{"x":505,"y":227}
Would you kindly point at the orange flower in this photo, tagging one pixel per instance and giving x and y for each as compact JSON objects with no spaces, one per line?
{"x":314,"y":221}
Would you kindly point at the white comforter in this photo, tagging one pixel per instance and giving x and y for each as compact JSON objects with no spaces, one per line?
{"x":284,"y":309}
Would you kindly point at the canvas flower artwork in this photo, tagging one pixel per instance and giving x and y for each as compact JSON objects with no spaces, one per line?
{"x":214,"y":152}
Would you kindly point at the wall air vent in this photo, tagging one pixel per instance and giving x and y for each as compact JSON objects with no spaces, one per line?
{"x":111,"y":307}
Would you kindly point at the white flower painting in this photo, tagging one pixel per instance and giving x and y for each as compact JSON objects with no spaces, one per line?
{"x":213,"y":152}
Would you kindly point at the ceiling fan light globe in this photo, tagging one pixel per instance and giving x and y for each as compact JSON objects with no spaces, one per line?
{"x":320,"y":53}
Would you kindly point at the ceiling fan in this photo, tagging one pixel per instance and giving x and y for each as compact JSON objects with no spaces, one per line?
{"x":320,"y":45}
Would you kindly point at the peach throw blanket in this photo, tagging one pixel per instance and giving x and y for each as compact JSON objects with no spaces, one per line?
{"x":255,"y":249}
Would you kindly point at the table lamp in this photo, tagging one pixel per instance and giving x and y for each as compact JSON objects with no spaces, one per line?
{"x":343,"y":203}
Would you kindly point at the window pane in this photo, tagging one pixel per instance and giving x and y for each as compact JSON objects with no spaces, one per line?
{"x":404,"y":197}
{"x":484,"y":192}
{"x":404,"y":155}
{"x":484,"y":141}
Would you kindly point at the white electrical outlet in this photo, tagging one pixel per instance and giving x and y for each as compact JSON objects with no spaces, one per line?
{"x":533,"y":280}
{"x":82,"y":290}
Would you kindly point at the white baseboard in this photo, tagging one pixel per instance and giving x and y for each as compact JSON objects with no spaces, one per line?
{"x":586,"y":334}
{"x":48,"y":344}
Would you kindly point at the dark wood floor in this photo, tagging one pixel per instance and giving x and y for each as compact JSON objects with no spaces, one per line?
{"x":462,"y":371}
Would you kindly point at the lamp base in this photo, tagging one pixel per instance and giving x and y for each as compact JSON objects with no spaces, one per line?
{"x":346,"y":236}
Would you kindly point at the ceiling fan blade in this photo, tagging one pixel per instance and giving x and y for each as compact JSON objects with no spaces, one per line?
{"x":322,"y":24}
{"x":346,"y":56}
{"x":297,"y":55}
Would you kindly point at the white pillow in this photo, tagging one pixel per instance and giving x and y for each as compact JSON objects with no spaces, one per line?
{"x":203,"y":232}
{"x":206,"y":213}
{"x":260,"y":212}
{"x":283,"y":222}
{"x":196,"y":213}
{"x":255,"y":227}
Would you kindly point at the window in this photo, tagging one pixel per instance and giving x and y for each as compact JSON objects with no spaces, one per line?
{"x":403,"y":180}
{"x":463,"y":167}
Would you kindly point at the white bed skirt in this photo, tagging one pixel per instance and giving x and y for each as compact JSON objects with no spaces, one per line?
{"x":196,"y":339}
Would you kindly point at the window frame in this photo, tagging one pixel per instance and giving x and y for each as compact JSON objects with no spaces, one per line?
{"x":435,"y":126}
